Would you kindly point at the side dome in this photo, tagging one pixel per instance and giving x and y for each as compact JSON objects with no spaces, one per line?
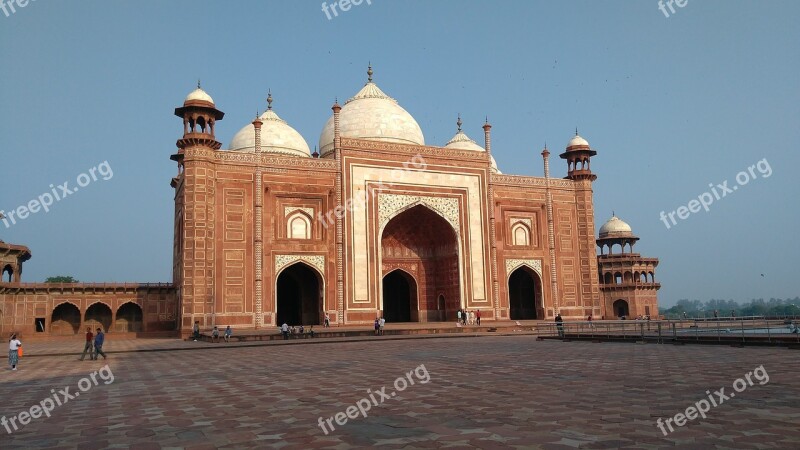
{"x":615,"y":227}
{"x":373,"y":115}
{"x":199,"y":94}
{"x":276,"y":137}
{"x":463,"y":142}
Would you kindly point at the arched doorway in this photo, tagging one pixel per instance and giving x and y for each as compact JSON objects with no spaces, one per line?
{"x":66,"y":319}
{"x":525,"y":295}
{"x":98,"y":316}
{"x":621,"y":308}
{"x":8,"y":274}
{"x":129,"y":318}
{"x":299,"y":296}
{"x":423,"y":243}
{"x":399,"y":297}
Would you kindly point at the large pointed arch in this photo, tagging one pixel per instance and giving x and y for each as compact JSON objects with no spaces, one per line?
{"x":299,"y":294}
{"x":418,"y":236}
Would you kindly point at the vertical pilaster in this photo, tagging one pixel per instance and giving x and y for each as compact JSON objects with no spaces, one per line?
{"x":492,"y":228}
{"x":337,"y":146}
{"x":258,"y":232}
{"x":551,"y":240}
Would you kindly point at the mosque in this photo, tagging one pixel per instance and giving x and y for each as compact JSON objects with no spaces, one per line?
{"x":374,"y":223}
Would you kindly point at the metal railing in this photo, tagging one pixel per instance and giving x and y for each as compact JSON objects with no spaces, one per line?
{"x":778,"y":331}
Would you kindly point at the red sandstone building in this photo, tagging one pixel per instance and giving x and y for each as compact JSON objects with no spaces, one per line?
{"x":378,"y":223}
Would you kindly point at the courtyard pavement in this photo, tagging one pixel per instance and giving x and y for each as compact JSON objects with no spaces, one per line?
{"x":462,"y":392}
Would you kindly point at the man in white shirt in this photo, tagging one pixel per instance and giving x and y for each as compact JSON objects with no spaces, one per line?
{"x":381,"y":323}
{"x":285,"y":331}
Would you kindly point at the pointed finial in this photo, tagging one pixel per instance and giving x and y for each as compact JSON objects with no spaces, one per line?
{"x":545,"y":145}
{"x":487,"y":119}
{"x":269,"y":99}
{"x":459,"y":122}
{"x":198,"y":83}
{"x":576,"y":131}
{"x":369,"y":72}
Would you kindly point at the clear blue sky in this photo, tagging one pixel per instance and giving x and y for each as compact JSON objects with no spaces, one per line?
{"x":671,"y":104}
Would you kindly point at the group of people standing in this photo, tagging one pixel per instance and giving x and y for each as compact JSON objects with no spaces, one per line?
{"x":466,"y":317}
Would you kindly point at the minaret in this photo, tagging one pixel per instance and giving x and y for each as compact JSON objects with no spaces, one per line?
{"x":578,"y":156}
{"x":258,"y":221}
{"x":495,"y":293}
{"x":551,"y":241}
{"x":194,"y":211}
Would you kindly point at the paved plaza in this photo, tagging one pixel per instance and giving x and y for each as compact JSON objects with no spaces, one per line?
{"x":460,"y":392}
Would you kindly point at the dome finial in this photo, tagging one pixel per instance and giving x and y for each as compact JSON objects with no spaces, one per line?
{"x":613,"y":214}
{"x":576,"y":131}
{"x":369,"y":72}
{"x":269,"y":99}
{"x":198,"y":83}
{"x":459,"y":122}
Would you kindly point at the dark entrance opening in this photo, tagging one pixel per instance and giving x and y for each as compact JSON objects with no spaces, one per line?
{"x":129,"y":318}
{"x":524,"y":295}
{"x":299,"y":296}
{"x":399,"y":297}
{"x":66,"y":319}
{"x":621,"y":308}
{"x":99,"y":316}
{"x":39,"y":324}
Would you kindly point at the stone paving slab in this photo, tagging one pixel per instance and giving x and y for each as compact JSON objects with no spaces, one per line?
{"x":487,"y":392}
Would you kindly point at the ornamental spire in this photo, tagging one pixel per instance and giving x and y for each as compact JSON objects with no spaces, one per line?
{"x":459,"y":122}
{"x":369,"y":73}
{"x":269,"y":99}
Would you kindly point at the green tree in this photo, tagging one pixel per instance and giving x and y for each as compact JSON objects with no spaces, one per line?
{"x":61,"y":279}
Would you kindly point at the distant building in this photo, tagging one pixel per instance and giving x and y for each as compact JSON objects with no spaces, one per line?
{"x":627,"y":280}
{"x":376,"y":224}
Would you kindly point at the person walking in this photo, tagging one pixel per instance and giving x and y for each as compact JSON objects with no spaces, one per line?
{"x":285,"y":331}
{"x":196,"y":330}
{"x":381,"y":323}
{"x":478,"y":317}
{"x":88,"y":346}
{"x":327,"y":320}
{"x":458,"y":317}
{"x":99,"y":340}
{"x":14,"y":346}
{"x":377,"y":326}
{"x":464,"y":317}
{"x":228,"y":333}
{"x":560,"y":325}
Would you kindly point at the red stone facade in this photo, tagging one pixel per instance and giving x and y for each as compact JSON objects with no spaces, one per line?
{"x":373,"y":228}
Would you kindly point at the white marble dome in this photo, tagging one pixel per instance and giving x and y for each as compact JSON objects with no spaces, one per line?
{"x":373,"y":115}
{"x":199,"y":94}
{"x":577,"y":140}
{"x":276,"y":137}
{"x":615,"y":227}
{"x":462,"y":142}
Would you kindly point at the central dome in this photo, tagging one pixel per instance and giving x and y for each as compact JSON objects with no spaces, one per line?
{"x":372,"y":115}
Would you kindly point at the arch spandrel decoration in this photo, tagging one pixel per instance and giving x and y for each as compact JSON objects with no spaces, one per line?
{"x":316,"y":261}
{"x":290,"y":209}
{"x":535,"y":264}
{"x":389,"y":205}
{"x":523,"y":221}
